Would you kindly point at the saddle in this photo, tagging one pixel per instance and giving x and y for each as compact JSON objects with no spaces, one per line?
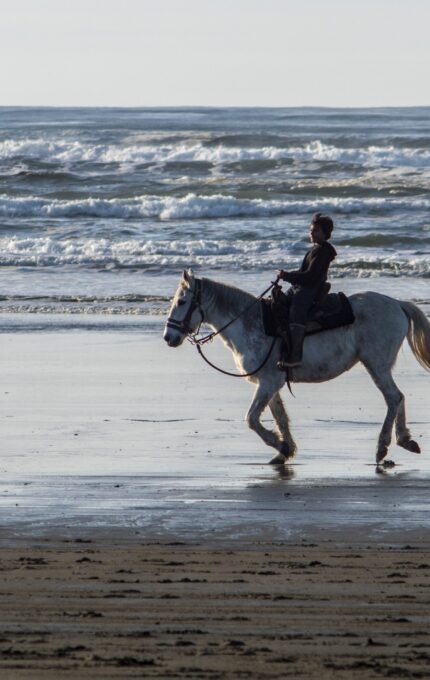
{"x":330,"y":310}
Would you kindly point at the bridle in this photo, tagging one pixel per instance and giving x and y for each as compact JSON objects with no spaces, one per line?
{"x":184,"y":325}
{"x":184,"y":328}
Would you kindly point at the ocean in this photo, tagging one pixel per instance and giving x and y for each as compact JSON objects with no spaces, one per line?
{"x":102,"y":208}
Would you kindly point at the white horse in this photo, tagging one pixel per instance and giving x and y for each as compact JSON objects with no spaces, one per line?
{"x":381,"y":324}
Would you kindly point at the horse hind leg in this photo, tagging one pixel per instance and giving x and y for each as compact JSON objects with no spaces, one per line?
{"x":403,"y":435}
{"x":393,"y":398}
{"x":261,"y":399}
{"x":281,"y":419}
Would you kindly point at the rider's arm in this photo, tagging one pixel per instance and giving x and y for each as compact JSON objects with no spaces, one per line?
{"x":315,"y":273}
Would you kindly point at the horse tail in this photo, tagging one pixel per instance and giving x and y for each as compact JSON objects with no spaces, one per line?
{"x":418,"y":333}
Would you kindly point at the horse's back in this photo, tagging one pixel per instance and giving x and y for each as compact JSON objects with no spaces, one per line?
{"x":379,"y":321}
{"x":376,"y":307}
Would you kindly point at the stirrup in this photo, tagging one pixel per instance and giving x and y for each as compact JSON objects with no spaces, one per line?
{"x":282,"y":365}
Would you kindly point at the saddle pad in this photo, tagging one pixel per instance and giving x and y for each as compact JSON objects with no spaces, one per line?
{"x":337,"y":313}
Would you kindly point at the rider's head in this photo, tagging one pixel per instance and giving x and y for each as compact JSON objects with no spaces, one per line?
{"x":321,"y":227}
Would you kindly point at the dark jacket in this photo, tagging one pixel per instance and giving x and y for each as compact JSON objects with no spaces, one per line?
{"x":314,"y":268}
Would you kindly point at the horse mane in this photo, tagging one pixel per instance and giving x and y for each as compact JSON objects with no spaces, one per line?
{"x":229,"y":299}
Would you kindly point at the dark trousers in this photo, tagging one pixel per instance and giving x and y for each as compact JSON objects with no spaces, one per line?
{"x":302,"y":299}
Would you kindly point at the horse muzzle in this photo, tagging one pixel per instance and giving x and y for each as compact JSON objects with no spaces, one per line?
{"x":173,"y":339}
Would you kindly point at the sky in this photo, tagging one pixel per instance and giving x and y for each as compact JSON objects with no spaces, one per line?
{"x":215,"y":53}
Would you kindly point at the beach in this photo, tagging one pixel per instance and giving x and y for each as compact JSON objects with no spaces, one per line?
{"x":144,"y":535}
{"x":142,"y":531}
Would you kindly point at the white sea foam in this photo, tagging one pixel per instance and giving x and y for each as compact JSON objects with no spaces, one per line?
{"x":368,"y":156}
{"x":194,"y":206}
{"x":260,"y":254}
{"x":132,"y":252}
{"x":71,"y":151}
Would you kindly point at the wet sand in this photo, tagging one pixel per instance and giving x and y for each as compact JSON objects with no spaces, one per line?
{"x":117,"y":429}
{"x":144,"y":535}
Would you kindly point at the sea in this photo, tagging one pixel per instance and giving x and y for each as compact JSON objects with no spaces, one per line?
{"x":102,"y":208}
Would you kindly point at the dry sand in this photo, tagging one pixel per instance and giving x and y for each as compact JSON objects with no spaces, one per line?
{"x":114,"y":607}
{"x":142,"y":534}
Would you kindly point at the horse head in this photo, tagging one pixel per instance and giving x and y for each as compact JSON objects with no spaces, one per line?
{"x":185,"y":313}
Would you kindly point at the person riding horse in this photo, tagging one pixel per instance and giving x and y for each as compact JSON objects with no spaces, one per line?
{"x":307,"y":285}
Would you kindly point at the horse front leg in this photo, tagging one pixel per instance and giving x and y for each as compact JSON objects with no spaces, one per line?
{"x":262,"y":397}
{"x":282,"y":421}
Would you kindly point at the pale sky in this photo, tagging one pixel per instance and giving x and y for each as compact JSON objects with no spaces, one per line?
{"x":215,"y":52}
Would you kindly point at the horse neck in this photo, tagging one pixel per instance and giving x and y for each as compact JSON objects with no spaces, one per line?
{"x":221,"y":305}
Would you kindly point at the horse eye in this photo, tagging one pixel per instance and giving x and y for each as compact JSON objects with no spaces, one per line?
{"x":181,"y":302}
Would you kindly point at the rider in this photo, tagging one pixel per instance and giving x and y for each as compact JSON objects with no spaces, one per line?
{"x":307,"y":284}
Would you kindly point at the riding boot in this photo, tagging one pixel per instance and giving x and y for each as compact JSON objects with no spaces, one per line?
{"x":297,"y":331}
{"x":285,"y":348}
{"x":297,"y":334}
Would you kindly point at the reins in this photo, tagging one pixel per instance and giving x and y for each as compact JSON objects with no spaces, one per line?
{"x":237,"y":375}
{"x":198,"y":342}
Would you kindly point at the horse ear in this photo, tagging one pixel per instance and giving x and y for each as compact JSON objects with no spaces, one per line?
{"x":188,"y":276}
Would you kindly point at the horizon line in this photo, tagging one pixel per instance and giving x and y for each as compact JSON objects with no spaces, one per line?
{"x":207,"y":106}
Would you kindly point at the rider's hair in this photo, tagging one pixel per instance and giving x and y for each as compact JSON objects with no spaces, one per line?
{"x":325,"y":222}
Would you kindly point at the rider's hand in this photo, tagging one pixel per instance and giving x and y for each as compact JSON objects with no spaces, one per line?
{"x":280,"y":274}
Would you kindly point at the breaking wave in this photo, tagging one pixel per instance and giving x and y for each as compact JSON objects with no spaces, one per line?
{"x":194,"y":206}
{"x":66,"y":151}
{"x":213,"y":254}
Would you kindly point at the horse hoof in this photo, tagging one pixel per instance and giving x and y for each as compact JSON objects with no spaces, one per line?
{"x":380,"y":454}
{"x":286,"y":451}
{"x":412,"y":446}
{"x":279,"y":459}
